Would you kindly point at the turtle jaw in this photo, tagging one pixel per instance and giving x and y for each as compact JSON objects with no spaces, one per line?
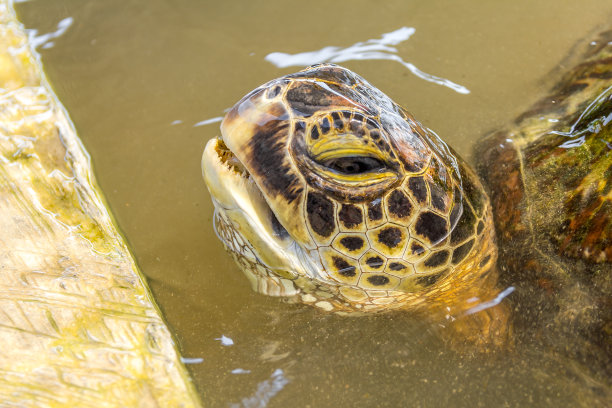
{"x":238,"y":200}
{"x":223,"y":174}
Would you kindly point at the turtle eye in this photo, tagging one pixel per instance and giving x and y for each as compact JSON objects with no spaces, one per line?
{"x":354,"y":165}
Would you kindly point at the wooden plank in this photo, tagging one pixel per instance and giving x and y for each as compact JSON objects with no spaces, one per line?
{"x":78,"y":325}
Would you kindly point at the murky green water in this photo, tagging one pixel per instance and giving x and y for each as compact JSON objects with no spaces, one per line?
{"x":137,"y":76}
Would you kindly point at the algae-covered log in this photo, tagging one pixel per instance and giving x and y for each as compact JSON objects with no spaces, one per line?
{"x":78,"y":326}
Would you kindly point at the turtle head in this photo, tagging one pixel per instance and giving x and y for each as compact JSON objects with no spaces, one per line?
{"x":321,"y":182}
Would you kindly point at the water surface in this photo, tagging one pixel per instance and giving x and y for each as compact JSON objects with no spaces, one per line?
{"x":137,"y":77}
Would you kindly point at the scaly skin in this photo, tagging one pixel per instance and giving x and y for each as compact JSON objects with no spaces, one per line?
{"x":328,"y":191}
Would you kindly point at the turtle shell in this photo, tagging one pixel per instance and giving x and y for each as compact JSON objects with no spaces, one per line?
{"x":550,"y":181}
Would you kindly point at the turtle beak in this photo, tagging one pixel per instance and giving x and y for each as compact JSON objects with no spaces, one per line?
{"x":238,"y":197}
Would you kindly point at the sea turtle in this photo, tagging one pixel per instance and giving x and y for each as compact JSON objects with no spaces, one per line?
{"x":327,"y":191}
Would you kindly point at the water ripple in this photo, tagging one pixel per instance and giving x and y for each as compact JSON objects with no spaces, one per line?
{"x":266,"y":390}
{"x":46,"y":40}
{"x":375,"y":49}
{"x":491,"y":303}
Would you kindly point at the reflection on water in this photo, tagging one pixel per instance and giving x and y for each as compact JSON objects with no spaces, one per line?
{"x":225,"y":341}
{"x":240,"y":371}
{"x":577,"y":136}
{"x":189,"y":60}
{"x":45,"y":41}
{"x":265,"y":391}
{"x":192,"y":360}
{"x":209,"y":121}
{"x":376,"y":49}
{"x":490,"y":303}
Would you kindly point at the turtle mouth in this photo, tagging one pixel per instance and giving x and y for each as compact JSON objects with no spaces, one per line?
{"x":229,"y":159}
{"x":232,"y":187}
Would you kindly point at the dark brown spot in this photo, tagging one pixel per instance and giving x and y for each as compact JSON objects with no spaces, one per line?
{"x":390,"y":236}
{"x":436,"y":259}
{"x":461,"y":252}
{"x":277,"y":227}
{"x":320,"y":212}
{"x":338,"y":123}
{"x":375,"y":210}
{"x":396,"y":266}
{"x":352,"y":243}
{"x":480,"y":227}
{"x":346,"y":114}
{"x":325,"y":126}
{"x":306,"y":99}
{"x":357,"y":129}
{"x":299,"y":126}
{"x":358,"y":117}
{"x":431,"y":226}
{"x":416,"y":248}
{"x":374,"y":134}
{"x":371,"y":123}
{"x":437,"y":196}
{"x":343,"y":267}
{"x":411,"y":167}
{"x":268,"y":156}
{"x":430,"y":279}
{"x":465,"y":227}
{"x":375,"y":262}
{"x":484,"y":261}
{"x":378,"y":280}
{"x":314,"y":132}
{"x":399,"y":205}
{"x":418,"y":188}
{"x":350,"y":215}
{"x":575,"y":88}
{"x":273,"y":93}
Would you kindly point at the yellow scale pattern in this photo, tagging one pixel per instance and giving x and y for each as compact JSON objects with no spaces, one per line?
{"x":384,"y":251}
